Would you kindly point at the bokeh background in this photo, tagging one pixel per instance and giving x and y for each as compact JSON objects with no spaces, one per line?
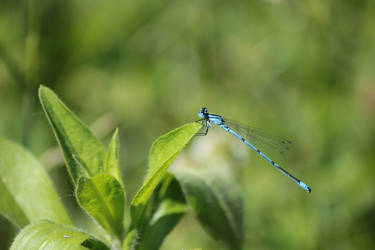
{"x":301,"y":69}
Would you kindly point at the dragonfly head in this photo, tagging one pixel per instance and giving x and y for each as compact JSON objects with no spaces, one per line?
{"x":203,"y":112}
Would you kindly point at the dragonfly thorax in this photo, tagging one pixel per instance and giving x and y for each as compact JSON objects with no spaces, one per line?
{"x":210,"y":118}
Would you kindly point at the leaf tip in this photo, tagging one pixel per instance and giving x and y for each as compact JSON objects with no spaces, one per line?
{"x":41,"y":89}
{"x":115,"y":134}
{"x":42,"y":92}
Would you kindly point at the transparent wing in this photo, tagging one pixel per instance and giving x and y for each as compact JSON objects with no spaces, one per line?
{"x":267,"y":143}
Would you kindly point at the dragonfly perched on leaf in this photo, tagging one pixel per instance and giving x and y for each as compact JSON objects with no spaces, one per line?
{"x":252,"y":138}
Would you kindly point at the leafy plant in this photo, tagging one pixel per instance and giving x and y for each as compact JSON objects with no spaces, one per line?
{"x":30,"y":202}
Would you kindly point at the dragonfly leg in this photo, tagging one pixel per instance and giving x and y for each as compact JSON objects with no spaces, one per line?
{"x":202,"y":133}
{"x":206,"y":127}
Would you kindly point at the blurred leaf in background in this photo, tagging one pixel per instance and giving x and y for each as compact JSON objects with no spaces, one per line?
{"x":300,"y":69}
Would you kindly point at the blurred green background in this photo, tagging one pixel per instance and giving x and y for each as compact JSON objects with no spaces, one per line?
{"x":301,"y":69}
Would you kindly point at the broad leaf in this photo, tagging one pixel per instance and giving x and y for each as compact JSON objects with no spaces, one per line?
{"x":111,"y":164}
{"x":163,"y":152}
{"x":83,"y":152}
{"x":9,"y":207}
{"x":171,"y":206}
{"x":26,"y":192}
{"x":166,"y":218}
{"x":49,"y":235}
{"x":103,"y":198}
{"x":130,"y":241}
{"x":216,"y":202}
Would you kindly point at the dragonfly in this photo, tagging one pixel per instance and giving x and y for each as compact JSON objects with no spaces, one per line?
{"x":246,"y":135}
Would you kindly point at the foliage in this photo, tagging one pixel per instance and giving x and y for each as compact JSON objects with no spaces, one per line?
{"x":27,"y":194}
{"x":299,"y":69}
{"x":157,"y":207}
{"x":46,"y":234}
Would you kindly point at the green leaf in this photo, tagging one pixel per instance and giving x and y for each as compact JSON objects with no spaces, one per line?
{"x":94,"y":244}
{"x":216,"y":202}
{"x":83,"y":152}
{"x":166,"y":218}
{"x":103,"y":198}
{"x":26,"y":192}
{"x":111,"y":164}
{"x":171,"y":207}
{"x":130,"y":241}
{"x":163,"y":152}
{"x":45,"y":234}
{"x":9,"y":207}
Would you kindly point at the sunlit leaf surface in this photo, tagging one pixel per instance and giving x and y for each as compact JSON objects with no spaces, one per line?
{"x":26,"y":192}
